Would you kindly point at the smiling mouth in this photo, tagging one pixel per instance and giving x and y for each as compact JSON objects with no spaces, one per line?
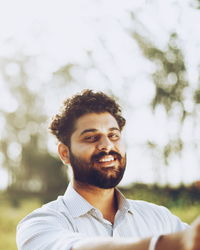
{"x":106,"y":161}
{"x":106,"y":158}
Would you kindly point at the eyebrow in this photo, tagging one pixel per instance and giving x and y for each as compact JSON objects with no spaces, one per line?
{"x":95,"y":130}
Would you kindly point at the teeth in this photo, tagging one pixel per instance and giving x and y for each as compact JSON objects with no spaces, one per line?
{"x":107,"y":158}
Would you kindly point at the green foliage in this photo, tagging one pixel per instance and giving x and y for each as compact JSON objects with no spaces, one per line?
{"x":197,"y":96}
{"x":187,"y":213}
{"x":64,"y":73}
{"x":9,"y":217}
{"x":172,"y":146}
{"x":166,"y":196}
{"x":31,"y":168}
{"x":195,"y":4}
{"x":169,"y":76}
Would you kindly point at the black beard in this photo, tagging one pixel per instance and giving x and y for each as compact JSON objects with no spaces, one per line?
{"x":88,"y":173}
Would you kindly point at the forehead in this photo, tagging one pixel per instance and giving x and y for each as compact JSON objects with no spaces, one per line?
{"x":98,"y":121}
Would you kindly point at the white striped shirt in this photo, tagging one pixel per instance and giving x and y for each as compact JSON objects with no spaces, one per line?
{"x":60,"y":224}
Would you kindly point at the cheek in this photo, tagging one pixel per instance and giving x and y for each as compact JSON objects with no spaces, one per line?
{"x":82,"y":150}
{"x":121,"y":148}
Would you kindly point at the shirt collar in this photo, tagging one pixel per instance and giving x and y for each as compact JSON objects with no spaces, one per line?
{"x":123,"y":204}
{"x":78,"y":206}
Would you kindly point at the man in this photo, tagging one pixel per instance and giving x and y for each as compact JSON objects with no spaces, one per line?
{"x":93,"y":214}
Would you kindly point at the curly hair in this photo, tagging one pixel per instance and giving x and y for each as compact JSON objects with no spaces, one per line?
{"x":63,"y":123}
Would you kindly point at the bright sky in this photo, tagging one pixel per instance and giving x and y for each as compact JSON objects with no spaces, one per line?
{"x":61,"y":32}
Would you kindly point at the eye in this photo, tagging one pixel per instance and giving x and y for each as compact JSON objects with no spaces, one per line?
{"x":91,"y":138}
{"x":114,"y":136}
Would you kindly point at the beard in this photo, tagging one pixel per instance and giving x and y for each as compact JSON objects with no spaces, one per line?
{"x":91,"y":174}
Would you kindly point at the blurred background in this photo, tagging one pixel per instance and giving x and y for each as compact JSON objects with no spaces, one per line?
{"x":145,"y":53}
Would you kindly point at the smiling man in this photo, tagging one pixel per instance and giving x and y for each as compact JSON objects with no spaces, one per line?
{"x":93,"y":214}
{"x":96,"y":154}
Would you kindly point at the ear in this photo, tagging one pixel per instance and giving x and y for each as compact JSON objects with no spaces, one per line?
{"x":63,"y":152}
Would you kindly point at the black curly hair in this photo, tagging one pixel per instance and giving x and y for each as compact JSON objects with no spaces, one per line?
{"x":62,"y":124}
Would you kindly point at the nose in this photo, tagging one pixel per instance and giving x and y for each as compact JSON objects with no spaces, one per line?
{"x":104,"y":144}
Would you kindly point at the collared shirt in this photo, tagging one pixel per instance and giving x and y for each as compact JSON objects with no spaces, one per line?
{"x":60,"y":224}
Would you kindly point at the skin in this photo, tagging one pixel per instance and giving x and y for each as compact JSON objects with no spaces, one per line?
{"x":100,"y":132}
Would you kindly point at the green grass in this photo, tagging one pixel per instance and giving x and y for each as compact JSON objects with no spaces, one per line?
{"x":187,"y":213}
{"x":10,"y":216}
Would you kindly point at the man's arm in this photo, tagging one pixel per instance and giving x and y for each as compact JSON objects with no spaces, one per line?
{"x":188,"y":239}
{"x":111,"y":244}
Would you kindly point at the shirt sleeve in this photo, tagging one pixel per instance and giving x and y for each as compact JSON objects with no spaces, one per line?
{"x":167,"y":221}
{"x":46,"y":231}
{"x":176,"y":223}
{"x":158,"y":219}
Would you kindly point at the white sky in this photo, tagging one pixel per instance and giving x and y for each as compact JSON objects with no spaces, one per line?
{"x":61,"y":32}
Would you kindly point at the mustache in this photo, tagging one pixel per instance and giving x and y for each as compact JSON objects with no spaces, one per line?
{"x":115,"y":154}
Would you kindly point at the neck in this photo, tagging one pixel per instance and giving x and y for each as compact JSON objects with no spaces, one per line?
{"x":102,"y":199}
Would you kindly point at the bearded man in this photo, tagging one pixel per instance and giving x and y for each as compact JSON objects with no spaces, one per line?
{"x":93,"y":214}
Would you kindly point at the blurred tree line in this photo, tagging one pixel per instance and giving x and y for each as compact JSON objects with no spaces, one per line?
{"x":170,"y":197}
{"x":170,"y":82}
{"x":32,"y":169}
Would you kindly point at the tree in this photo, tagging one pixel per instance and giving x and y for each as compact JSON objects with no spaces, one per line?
{"x":30,"y":166}
{"x":171,"y":86}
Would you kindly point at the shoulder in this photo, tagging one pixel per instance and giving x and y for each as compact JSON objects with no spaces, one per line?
{"x":54,"y":213}
{"x":50,"y":219}
{"x":147,"y":207}
{"x":159,"y":216}
{"x":48,"y":227}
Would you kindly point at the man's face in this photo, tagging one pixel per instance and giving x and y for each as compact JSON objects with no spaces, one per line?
{"x":97,"y":153}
